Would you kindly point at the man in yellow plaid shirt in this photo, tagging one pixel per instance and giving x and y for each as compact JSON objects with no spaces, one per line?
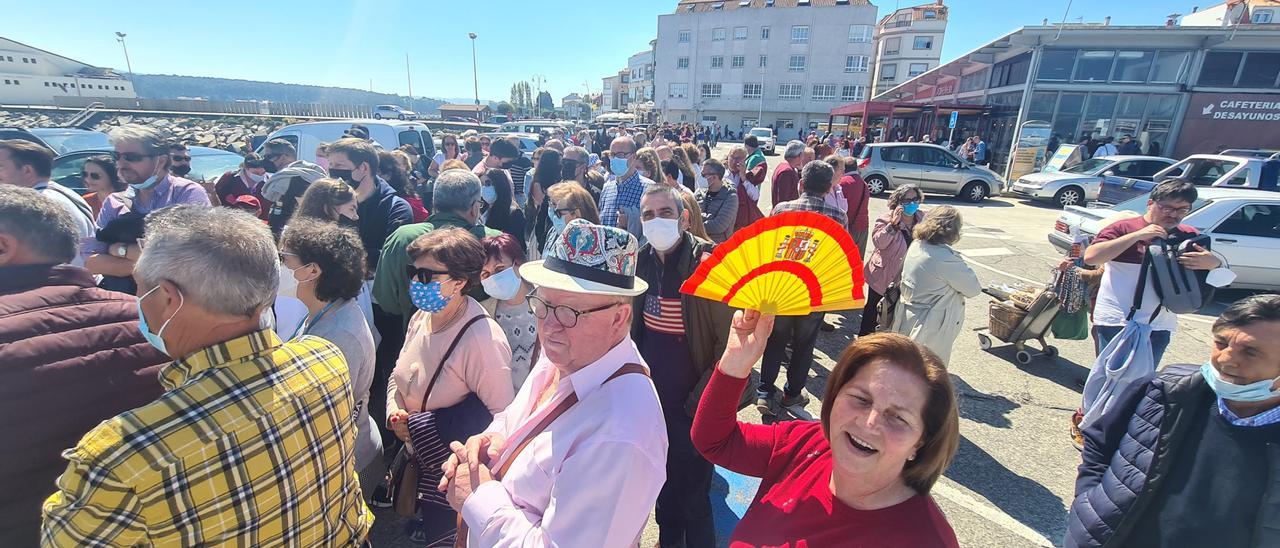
{"x":252,"y":443}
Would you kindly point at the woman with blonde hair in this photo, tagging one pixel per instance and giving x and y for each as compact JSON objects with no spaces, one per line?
{"x":565,"y":202}
{"x":697,"y":226}
{"x":650,"y":164}
{"x":935,"y":283}
{"x":688,"y":177}
{"x":694,"y":154}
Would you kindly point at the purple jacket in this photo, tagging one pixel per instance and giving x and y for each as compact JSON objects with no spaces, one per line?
{"x":890,"y":250}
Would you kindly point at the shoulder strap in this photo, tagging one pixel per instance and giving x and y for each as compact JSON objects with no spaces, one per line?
{"x":445,"y":359}
{"x":1141,"y":289}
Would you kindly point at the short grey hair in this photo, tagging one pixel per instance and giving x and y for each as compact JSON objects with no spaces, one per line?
{"x":224,"y":260}
{"x":578,"y":151}
{"x":660,"y":188}
{"x":151,"y":140}
{"x":456,"y":190}
{"x":795,"y":149}
{"x":43,"y":226}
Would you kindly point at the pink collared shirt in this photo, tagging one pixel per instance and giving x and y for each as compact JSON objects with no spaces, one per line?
{"x":592,"y":477}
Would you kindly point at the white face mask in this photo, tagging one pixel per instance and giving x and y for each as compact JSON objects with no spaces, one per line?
{"x":503,"y":285}
{"x":288,"y":283}
{"x":662,"y":233}
{"x":257,"y":178}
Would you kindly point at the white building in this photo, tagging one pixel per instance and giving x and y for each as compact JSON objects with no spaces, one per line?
{"x":611,"y":88}
{"x":1236,"y":12}
{"x":908,"y":44}
{"x":640,"y":66}
{"x":746,"y":63}
{"x":31,"y":76}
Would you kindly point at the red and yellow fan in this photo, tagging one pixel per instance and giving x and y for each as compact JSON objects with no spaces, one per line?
{"x":789,"y":264}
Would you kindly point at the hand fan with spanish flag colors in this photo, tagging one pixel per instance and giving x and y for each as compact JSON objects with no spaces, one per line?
{"x":789,"y":264}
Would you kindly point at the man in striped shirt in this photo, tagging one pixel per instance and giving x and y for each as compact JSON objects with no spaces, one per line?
{"x":680,"y":337}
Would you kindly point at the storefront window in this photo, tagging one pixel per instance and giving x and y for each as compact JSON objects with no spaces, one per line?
{"x":1056,"y":65}
{"x":1097,"y":114}
{"x":1041,"y":106}
{"x":1220,"y":68}
{"x":1260,"y":70}
{"x":1093,"y":66}
{"x":1129,"y":112}
{"x":1168,"y":66}
{"x":1131,"y":66}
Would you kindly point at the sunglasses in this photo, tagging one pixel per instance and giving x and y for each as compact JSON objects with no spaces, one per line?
{"x":423,"y":275}
{"x":181,"y":158}
{"x":88,"y":175}
{"x":132,"y":157}
{"x":272,"y":157}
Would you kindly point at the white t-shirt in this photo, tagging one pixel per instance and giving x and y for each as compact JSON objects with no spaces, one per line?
{"x":1115,"y":297}
{"x":77,"y":207}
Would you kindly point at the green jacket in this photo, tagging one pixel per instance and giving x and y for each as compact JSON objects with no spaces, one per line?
{"x":755,"y":158}
{"x":390,"y":285}
{"x":706,"y":322}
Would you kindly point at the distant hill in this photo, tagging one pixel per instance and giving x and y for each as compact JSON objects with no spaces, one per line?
{"x":170,"y":86}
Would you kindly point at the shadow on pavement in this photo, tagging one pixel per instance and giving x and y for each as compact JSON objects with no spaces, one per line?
{"x":1060,"y":370}
{"x":1022,"y":499}
{"x":989,"y":409}
{"x":939,"y":199}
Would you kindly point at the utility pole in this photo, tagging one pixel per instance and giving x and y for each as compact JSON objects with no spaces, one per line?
{"x":538,"y":80}
{"x":120,"y":38}
{"x":760,"y":113}
{"x":475,"y":80}
{"x":409,"y":76}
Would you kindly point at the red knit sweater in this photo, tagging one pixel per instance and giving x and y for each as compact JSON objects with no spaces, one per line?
{"x":795,"y":507}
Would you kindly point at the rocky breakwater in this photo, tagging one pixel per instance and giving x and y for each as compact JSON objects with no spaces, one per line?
{"x":222,"y":132}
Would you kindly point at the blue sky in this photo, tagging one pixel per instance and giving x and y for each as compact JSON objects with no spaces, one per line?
{"x":347,"y":43}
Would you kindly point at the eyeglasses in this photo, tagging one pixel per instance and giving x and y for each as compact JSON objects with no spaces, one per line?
{"x":284,"y":254}
{"x":271,"y":157}
{"x":915,"y":201}
{"x":561,"y":211}
{"x":180,"y":158}
{"x":423,"y":275}
{"x":565,"y":316}
{"x":87,"y":175}
{"x":1173,"y":210}
{"x":132,"y":157}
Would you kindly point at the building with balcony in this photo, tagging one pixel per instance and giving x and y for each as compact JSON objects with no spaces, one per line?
{"x":908,"y":44}
{"x":32,"y":76}
{"x":778,"y":63}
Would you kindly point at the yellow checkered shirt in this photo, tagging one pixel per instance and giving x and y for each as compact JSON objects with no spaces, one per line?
{"x":252,"y":444}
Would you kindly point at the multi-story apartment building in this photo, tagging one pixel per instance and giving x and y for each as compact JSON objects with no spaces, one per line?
{"x":908,"y":44}
{"x":640,"y":66}
{"x":33,"y":76}
{"x":747,"y":63}
{"x":617,"y":91}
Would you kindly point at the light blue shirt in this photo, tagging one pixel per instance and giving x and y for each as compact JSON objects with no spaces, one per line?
{"x":1265,"y":418}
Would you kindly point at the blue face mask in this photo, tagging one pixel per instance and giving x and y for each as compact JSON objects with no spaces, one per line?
{"x":488,"y":194}
{"x":618,"y":166}
{"x":427,"y":297}
{"x":154,"y":338}
{"x":910,"y":208}
{"x":1252,"y":392}
{"x":556,"y":220}
{"x":150,"y":182}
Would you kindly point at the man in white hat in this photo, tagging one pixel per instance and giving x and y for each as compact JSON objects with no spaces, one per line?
{"x":579,"y":456}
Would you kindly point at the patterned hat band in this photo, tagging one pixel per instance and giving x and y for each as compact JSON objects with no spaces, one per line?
{"x":591,"y":274}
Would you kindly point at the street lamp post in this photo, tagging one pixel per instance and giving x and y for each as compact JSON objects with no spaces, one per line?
{"x":120,"y":38}
{"x":475,"y":81}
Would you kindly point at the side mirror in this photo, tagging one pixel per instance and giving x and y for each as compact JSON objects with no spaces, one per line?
{"x":1109,"y":173}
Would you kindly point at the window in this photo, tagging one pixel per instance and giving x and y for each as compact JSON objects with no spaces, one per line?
{"x":764,"y":33}
{"x":1093,"y":66}
{"x":711,"y":91}
{"x":1261,"y":16}
{"x":1012,"y":71}
{"x":796,"y":64}
{"x":739,"y":33}
{"x":677,"y":91}
{"x":717,"y":62}
{"x":789,"y":91}
{"x":888,"y":72}
{"x":800,"y":34}
{"x":930,"y":14}
{"x":764,"y":61}
{"x":33,"y":60}
{"x":682,"y":63}
{"x":1220,"y":68}
{"x":895,"y":154}
{"x":1260,"y":70}
{"x":923,"y":42}
{"x":824,"y":92}
{"x":1056,"y":65}
{"x":916,"y":69}
{"x":739,"y":61}
{"x":855,"y":63}
{"x":1168,"y":66}
{"x":1132,"y":66}
{"x":853,"y":93}
{"x":717,"y":34}
{"x":24,"y":60}
{"x":892,"y":46}
{"x":1257,"y":220}
{"x":684,"y":37}
{"x":752,"y":91}
{"x":859,"y":34}
{"x":974,"y":81}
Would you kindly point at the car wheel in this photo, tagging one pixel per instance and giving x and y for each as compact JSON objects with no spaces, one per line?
{"x":1072,"y":195}
{"x":401,"y":116}
{"x":974,"y":192}
{"x":877,"y":185}
{"x":377,"y":116}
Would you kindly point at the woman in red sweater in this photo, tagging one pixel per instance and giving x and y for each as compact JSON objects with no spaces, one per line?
{"x":861,"y":476}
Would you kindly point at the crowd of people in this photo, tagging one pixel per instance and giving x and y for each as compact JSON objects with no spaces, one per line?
{"x":499,"y":345}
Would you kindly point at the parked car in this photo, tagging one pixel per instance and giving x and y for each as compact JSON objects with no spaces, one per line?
{"x":530,"y":126}
{"x":885,"y":166}
{"x":393,"y":111}
{"x":1080,"y":184}
{"x":390,"y":134}
{"x":206,"y":164}
{"x":1202,"y":169}
{"x":60,"y":140}
{"x":767,"y":140}
{"x":1264,"y":154}
{"x":528,"y":141}
{"x":1244,"y":226}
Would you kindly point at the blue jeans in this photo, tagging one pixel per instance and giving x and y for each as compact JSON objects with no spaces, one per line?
{"x":1102,"y":335}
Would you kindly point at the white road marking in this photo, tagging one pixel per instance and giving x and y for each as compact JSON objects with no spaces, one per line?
{"x":994,"y":515}
{"x":987,"y":252}
{"x":988,"y":236}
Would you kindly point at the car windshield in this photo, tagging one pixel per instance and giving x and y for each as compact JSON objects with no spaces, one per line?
{"x":761,"y":132}
{"x":1089,"y":167}
{"x":1138,"y":204}
{"x":64,"y":142}
{"x":210,"y":164}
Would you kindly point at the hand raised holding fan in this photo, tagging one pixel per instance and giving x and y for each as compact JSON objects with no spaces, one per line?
{"x":747,"y":338}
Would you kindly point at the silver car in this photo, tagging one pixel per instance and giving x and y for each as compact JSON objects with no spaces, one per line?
{"x":1080,"y":184}
{"x":885,"y":166}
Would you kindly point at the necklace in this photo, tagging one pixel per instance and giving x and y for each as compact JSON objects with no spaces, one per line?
{"x":446,"y":323}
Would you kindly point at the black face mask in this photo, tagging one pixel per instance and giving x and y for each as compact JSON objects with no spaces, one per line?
{"x":344,"y":174}
{"x":343,"y":220}
{"x":270,"y":167}
{"x":180,"y":170}
{"x":568,"y":170}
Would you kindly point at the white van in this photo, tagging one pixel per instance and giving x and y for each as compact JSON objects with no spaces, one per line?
{"x":530,"y":126}
{"x":391,"y":134}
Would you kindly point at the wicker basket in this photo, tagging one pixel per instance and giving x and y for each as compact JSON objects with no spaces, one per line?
{"x":1003,"y":317}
